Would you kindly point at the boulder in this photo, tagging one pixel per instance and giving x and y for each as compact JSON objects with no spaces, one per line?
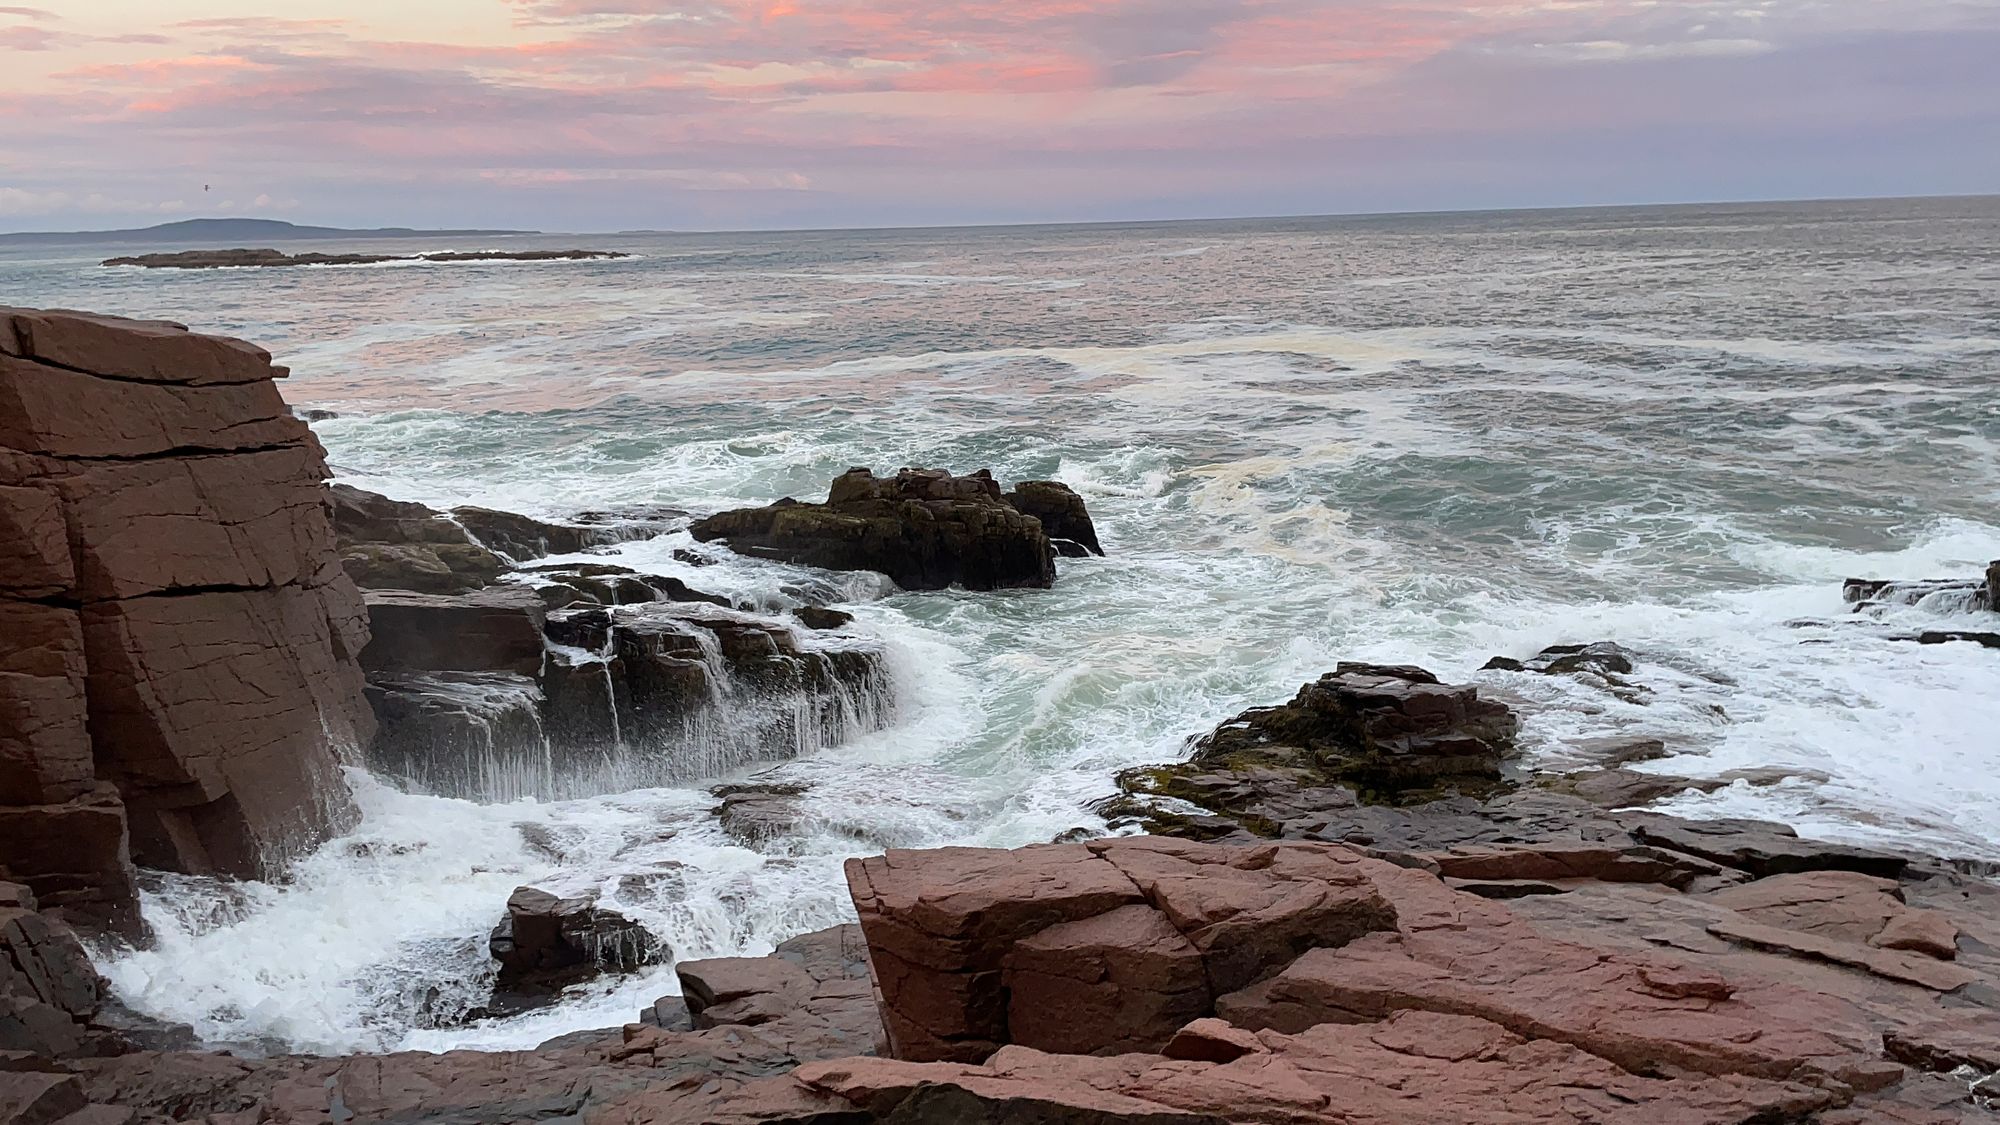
{"x":1062,"y":513}
{"x":49,"y":991}
{"x":1107,"y":946}
{"x":819,"y":617}
{"x":924,"y":528}
{"x":192,"y":640}
{"x":1346,"y":988}
{"x":547,"y":943}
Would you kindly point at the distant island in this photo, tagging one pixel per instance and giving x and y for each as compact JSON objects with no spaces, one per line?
{"x":218,"y":230}
{"x":216,"y":259}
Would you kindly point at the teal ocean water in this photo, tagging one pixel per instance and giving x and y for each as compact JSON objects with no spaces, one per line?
{"x":1430,"y":439}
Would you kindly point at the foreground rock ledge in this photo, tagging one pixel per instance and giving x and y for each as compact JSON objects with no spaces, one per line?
{"x":1141,"y":980}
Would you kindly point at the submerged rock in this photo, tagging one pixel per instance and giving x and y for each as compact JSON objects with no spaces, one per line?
{"x":924,"y":528}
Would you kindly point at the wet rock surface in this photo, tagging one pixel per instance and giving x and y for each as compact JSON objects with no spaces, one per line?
{"x":1364,"y":732}
{"x":495,"y":680}
{"x":924,"y":528}
{"x":1943,"y":595}
{"x":1064,"y":517}
{"x":1145,"y":979}
{"x":546,"y":943}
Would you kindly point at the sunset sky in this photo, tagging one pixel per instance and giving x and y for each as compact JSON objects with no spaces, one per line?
{"x":613,"y":114}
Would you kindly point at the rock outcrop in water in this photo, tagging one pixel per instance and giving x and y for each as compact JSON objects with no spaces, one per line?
{"x":1945,"y":595}
{"x":495,"y":680}
{"x":546,"y":943}
{"x":924,"y":528}
{"x":1379,"y":733}
{"x":1062,"y":514}
{"x":1978,"y":598}
{"x":180,"y":642}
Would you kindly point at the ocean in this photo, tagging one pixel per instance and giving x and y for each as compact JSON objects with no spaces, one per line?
{"x":1429,"y":439}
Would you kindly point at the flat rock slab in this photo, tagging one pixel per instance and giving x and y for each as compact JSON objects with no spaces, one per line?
{"x":1413,"y":1067}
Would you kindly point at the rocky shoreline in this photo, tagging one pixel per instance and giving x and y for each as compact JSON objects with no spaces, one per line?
{"x":219,"y":259}
{"x":1355,"y":906}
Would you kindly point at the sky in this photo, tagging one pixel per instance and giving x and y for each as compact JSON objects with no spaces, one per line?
{"x":593,"y":115}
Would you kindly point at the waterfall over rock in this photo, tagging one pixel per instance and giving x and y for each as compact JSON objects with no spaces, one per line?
{"x":570,"y":679}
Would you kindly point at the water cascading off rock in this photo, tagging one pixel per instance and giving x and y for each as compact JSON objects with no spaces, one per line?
{"x":575,"y":679}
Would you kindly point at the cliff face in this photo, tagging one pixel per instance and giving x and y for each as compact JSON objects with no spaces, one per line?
{"x":178,"y":642}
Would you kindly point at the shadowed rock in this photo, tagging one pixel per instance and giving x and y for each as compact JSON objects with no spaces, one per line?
{"x":1388,"y":733}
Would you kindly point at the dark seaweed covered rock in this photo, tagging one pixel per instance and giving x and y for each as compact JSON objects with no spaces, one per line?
{"x":924,"y":528}
{"x":1386,"y":727}
{"x":1363,"y":733}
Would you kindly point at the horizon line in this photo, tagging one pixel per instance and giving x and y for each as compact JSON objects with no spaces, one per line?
{"x":1006,"y":224}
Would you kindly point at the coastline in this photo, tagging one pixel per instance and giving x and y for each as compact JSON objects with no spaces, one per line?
{"x":1866,"y":973}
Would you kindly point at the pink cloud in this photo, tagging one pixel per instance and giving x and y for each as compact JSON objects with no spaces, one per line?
{"x":768,"y":94}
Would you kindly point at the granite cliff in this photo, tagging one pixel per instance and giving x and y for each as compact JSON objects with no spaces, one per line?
{"x":181,"y":672}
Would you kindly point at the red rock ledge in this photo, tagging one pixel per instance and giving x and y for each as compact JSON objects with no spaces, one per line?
{"x":1152,"y":981}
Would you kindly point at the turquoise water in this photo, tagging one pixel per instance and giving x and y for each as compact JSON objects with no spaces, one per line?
{"x":1430,"y":439}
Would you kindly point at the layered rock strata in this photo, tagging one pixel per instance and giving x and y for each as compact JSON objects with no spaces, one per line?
{"x":178,"y":643}
{"x":924,"y":528}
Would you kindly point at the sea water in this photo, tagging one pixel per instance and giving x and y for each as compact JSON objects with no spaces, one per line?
{"x":1428,"y":439}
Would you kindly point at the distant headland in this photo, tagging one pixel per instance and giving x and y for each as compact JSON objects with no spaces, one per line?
{"x":216,"y":230}
{"x":216,"y":259}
